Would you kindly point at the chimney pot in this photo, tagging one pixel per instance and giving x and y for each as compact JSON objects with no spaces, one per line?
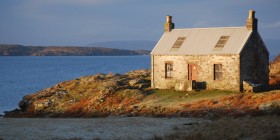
{"x":168,"y":26}
{"x":252,"y":22}
{"x":168,"y":18}
{"x":251,"y":14}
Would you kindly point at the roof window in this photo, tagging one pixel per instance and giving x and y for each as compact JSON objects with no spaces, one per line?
{"x":179,"y":42}
{"x":221,"y":43}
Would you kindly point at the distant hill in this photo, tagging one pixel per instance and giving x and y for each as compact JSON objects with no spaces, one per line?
{"x":126,"y":45}
{"x":19,"y":50}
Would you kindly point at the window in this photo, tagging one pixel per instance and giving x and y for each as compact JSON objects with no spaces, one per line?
{"x":179,"y":42}
{"x":218,"y":73}
{"x":168,"y":70}
{"x":221,"y":43}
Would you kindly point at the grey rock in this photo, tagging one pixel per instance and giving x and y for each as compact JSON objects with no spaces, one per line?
{"x":144,"y":85}
{"x":139,"y":73}
{"x":136,"y":81}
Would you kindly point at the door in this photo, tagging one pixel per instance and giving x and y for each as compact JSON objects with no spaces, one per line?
{"x":193,"y":75}
{"x":193,"y":72}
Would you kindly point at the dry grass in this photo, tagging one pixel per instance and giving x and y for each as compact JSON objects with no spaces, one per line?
{"x":169,"y":98}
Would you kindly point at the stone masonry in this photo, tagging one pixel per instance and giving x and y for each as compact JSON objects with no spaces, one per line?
{"x":175,"y":71}
{"x":230,"y":71}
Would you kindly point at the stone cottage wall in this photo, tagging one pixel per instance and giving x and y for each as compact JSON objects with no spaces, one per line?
{"x":254,"y":61}
{"x":230,"y":68}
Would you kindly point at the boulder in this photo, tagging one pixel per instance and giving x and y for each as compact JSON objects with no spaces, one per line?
{"x":136,"y":81}
{"x":139,"y":73}
{"x":144,"y":85}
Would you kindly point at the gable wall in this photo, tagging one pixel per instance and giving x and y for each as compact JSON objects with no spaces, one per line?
{"x":230,"y":68}
{"x":254,"y":60}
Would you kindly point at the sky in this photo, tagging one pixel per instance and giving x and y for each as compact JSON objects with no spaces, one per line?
{"x":81,"y":22}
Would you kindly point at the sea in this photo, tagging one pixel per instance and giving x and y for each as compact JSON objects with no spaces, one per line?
{"x":22,"y":75}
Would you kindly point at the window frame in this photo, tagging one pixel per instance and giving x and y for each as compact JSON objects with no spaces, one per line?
{"x":169,"y":69}
{"x":218,"y":72}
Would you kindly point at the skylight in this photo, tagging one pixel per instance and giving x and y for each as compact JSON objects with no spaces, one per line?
{"x":221,"y":43}
{"x":179,"y":42}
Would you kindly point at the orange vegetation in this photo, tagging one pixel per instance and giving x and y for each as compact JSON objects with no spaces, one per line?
{"x":236,"y":105}
{"x":128,"y":95}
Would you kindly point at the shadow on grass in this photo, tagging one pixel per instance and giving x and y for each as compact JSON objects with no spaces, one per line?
{"x":150,"y":92}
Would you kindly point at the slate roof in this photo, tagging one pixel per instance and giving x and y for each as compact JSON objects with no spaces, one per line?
{"x":201,"y":41}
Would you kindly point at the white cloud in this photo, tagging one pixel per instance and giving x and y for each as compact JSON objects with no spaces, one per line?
{"x":273,"y":25}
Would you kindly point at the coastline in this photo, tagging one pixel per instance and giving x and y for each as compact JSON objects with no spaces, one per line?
{"x":24,"y":75}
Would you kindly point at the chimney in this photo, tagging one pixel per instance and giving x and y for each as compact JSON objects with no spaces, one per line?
{"x":252,"y":22}
{"x":168,"y":26}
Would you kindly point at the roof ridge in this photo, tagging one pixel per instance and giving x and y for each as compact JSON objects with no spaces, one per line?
{"x":210,"y":28}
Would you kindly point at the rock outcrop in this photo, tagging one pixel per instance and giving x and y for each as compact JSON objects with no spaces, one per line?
{"x":90,"y":96}
{"x":130,"y":94}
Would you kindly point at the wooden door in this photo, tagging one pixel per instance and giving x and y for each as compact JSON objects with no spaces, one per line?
{"x":193,"y":72}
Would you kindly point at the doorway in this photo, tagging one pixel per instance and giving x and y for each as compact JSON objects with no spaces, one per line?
{"x":192,"y":77}
{"x":192,"y":72}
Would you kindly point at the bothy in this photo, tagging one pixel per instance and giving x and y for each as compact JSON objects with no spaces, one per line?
{"x":225,"y":58}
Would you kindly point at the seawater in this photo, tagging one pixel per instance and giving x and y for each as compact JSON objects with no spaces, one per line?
{"x":22,"y":75}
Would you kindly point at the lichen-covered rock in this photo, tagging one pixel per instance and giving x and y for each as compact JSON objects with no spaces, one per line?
{"x":144,"y":85}
{"x":133,"y":82}
{"x":97,"y":95}
{"x":139,"y":73}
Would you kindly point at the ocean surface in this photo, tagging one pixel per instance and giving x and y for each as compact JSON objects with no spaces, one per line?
{"x":22,"y":75}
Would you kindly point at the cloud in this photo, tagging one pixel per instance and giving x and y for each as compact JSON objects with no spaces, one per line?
{"x":273,"y":25}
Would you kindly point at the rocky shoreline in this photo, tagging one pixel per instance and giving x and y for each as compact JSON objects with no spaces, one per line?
{"x":90,"y":96}
{"x":129,"y":94}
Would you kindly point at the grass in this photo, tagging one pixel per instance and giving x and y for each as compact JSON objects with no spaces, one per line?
{"x":171,"y":97}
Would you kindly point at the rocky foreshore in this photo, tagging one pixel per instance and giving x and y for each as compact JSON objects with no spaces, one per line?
{"x":90,"y":96}
{"x":130,"y":94}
